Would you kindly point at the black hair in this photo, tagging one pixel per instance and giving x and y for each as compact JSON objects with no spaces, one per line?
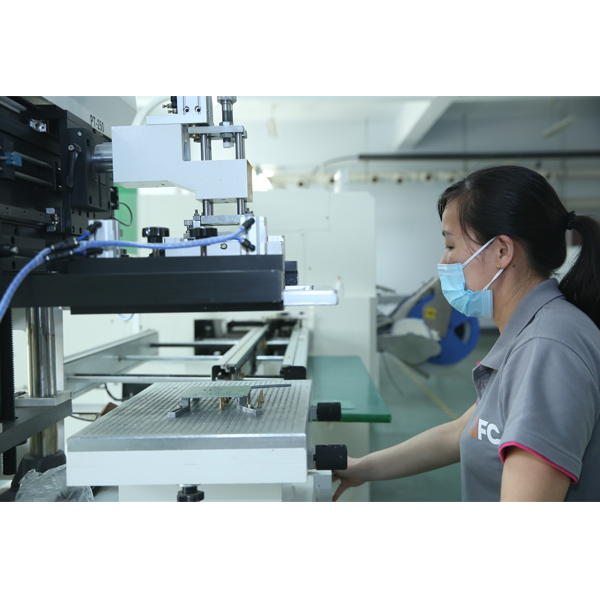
{"x":520,"y":203}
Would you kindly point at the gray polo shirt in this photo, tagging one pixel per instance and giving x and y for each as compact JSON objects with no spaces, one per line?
{"x":538,"y":389}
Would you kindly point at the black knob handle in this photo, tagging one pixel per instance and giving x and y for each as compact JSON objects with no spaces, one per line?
{"x":329,"y":411}
{"x":75,"y":151}
{"x":200,"y":233}
{"x":190,"y":493}
{"x":155,"y":235}
{"x":331,"y":457}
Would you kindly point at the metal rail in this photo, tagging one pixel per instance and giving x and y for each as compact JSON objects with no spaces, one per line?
{"x":105,"y":361}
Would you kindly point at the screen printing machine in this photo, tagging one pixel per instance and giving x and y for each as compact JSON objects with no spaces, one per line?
{"x":233,"y":435}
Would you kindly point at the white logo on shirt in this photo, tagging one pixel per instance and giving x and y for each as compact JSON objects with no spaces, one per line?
{"x":483,"y":428}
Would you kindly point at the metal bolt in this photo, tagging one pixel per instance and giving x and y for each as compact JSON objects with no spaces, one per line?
{"x":223,"y":246}
{"x":186,"y":109}
{"x":198,"y":109}
{"x":79,"y":133}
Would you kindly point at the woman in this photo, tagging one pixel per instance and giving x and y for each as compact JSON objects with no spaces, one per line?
{"x":533,"y":434}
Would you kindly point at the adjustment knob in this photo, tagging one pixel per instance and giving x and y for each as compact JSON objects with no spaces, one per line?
{"x":199,"y":233}
{"x":331,"y":457}
{"x":190,"y":493}
{"x":155,"y":235}
{"x":329,"y":411}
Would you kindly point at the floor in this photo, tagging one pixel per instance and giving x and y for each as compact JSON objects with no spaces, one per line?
{"x":419,"y":401}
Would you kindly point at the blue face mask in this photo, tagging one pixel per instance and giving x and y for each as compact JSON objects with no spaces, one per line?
{"x":454,"y":288}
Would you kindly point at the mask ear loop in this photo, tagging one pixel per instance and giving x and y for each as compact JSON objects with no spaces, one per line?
{"x":492,"y":281}
{"x":476,"y":253}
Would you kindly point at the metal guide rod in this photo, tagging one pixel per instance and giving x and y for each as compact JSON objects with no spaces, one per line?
{"x":42,"y":373}
{"x":33,"y":180}
{"x":197,"y":357}
{"x":240,"y":153}
{"x":139,"y":378}
{"x":206,"y":342}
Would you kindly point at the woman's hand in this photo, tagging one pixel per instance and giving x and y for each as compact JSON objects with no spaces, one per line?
{"x":349,"y":477}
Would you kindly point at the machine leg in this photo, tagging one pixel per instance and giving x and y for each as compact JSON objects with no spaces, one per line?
{"x":7,"y":388}
{"x":43,"y":447}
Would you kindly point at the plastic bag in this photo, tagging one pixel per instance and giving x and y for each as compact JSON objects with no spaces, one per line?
{"x":51,"y":486}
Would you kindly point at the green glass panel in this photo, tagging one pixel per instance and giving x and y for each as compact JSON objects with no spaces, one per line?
{"x":345,"y":379}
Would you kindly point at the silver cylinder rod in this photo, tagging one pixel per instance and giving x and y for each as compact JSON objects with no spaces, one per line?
{"x":42,"y":373}
{"x":207,"y":207}
{"x":240,"y":147}
{"x":204,"y":153}
{"x":102,"y":159}
{"x":241,"y":206}
{"x":42,"y":358}
{"x":205,"y":147}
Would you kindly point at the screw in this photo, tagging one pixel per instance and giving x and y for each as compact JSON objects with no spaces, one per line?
{"x":186,"y":109}
{"x":79,"y":133}
{"x":198,"y":110}
{"x":223,"y":246}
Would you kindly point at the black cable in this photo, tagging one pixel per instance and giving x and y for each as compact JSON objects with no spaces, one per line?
{"x":82,"y":419}
{"x":387,"y":368}
{"x":113,"y":397}
{"x":130,"y":214}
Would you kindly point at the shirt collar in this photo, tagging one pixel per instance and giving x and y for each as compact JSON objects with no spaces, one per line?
{"x":535,"y":299}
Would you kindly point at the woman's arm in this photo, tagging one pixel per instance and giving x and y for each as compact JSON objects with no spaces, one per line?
{"x":529,"y":478}
{"x":432,"y":449}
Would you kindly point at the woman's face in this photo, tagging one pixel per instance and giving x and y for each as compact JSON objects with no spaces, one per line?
{"x":481,"y":270}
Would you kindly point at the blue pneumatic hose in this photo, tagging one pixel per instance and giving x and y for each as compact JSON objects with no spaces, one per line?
{"x":16,"y":282}
{"x":83,"y":246}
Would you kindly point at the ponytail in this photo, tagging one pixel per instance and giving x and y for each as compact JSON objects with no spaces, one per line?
{"x":581,"y":285}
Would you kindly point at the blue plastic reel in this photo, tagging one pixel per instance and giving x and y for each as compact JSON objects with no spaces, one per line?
{"x":461,"y":339}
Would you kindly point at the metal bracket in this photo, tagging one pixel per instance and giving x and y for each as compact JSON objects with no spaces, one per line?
{"x":296,"y":354}
{"x":14,"y":158}
{"x":215,"y":131}
{"x":29,"y":402}
{"x":224,"y":219}
{"x":38,"y":125}
{"x":180,"y":409}
{"x":298,"y":295}
{"x":245,"y":406}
